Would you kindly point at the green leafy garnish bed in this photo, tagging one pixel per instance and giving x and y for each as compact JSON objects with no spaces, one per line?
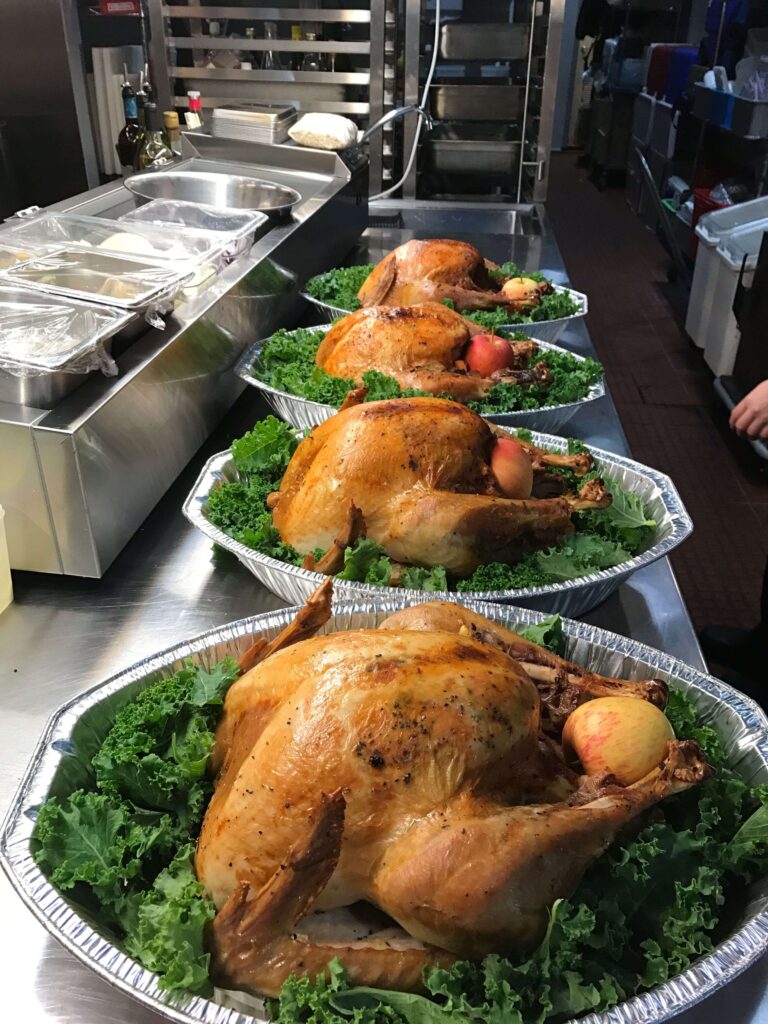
{"x":603,"y":538}
{"x":339,"y":288}
{"x":288,"y":363}
{"x":123,"y":849}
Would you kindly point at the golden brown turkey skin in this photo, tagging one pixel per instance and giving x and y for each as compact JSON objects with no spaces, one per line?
{"x":405,"y":768}
{"x":419,"y":346}
{"x":431,"y":270}
{"x":399,"y":722}
{"x":419,"y":470}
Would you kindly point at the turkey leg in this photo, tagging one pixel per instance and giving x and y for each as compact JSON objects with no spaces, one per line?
{"x":254,"y":937}
{"x":522,"y":859}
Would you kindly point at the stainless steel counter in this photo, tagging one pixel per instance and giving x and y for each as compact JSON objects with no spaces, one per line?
{"x":63,"y":634}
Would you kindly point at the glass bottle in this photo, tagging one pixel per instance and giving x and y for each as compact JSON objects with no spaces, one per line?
{"x":130,"y":135}
{"x":155,"y":149}
{"x":172,"y":131}
{"x":271,"y":60}
{"x":311,"y":61}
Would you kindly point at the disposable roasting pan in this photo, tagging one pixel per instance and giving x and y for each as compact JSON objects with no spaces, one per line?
{"x":58,"y":766}
{"x":572,"y":597}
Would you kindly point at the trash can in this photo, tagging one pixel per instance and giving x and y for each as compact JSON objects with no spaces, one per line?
{"x":721,"y":340}
{"x":710,"y":231}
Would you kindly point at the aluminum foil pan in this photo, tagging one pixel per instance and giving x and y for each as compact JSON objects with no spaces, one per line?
{"x":543,"y":330}
{"x":57,"y":768}
{"x":572,"y":597}
{"x":301,"y":413}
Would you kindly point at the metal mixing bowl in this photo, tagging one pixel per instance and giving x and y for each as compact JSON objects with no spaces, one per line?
{"x":227,"y":191}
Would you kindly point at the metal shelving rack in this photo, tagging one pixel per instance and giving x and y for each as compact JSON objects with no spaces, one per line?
{"x":507,"y":116}
{"x":363,"y":91}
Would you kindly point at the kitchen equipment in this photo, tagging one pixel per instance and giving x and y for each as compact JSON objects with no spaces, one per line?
{"x":542,"y":330}
{"x":478,"y":102}
{"x":238,"y":229}
{"x":79,"y":480}
{"x":253,"y":122}
{"x":100,"y":277}
{"x":300,"y":412}
{"x":49,"y":345}
{"x":474,"y":149}
{"x":229,"y":191}
{"x":164,"y":244}
{"x":486,"y":40}
{"x":55,"y":767}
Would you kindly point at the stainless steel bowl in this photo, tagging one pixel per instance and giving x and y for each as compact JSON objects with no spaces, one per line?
{"x":226,"y":191}
{"x":571,"y":597}
{"x":58,"y":766}
{"x":301,"y":412}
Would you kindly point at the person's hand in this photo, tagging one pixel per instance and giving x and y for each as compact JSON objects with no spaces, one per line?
{"x":750,"y":416}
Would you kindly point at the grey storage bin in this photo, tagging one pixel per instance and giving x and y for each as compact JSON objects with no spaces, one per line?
{"x":664,"y":130}
{"x":750,"y":118}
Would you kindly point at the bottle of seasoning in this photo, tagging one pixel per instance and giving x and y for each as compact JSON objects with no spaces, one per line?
{"x":130,"y":135}
{"x":311,"y":61}
{"x":172,"y":131}
{"x":296,"y":57}
{"x":155,"y":150}
{"x":193,"y":116}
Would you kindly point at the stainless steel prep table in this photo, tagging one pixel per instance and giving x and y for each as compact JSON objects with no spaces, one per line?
{"x":64,"y":634}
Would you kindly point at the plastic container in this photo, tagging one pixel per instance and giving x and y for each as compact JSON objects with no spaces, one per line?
{"x":237,"y":228}
{"x":659,"y":56}
{"x":664,"y":130}
{"x":722,"y":335}
{"x":49,"y":345}
{"x":750,"y":118}
{"x":165,"y":244}
{"x":642,"y":119}
{"x":681,"y":61}
{"x":6,"y":585}
{"x":94,"y":276}
{"x":712,"y":229}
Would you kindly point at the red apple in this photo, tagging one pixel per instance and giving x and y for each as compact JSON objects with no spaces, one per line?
{"x":621,"y":736}
{"x":487,"y":354}
{"x":512,"y":468}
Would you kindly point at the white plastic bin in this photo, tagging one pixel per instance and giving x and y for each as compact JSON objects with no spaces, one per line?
{"x":711,"y":230}
{"x":722,"y":331}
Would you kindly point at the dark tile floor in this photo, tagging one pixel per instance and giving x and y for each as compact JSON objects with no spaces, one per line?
{"x":663,"y":391}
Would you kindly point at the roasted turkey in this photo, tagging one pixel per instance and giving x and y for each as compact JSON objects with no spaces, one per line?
{"x":435,"y":269}
{"x":406,"y":767}
{"x":422,"y":346}
{"x":418,"y":473}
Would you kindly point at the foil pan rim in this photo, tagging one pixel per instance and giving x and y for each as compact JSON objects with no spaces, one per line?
{"x":711,"y":972}
{"x":578,"y":297}
{"x":677,"y":517}
{"x":246,"y":360}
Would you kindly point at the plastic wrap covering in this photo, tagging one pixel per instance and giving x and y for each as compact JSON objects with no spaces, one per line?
{"x":102,"y":277}
{"x":167,"y":244}
{"x":41,"y":335}
{"x":237,"y":227}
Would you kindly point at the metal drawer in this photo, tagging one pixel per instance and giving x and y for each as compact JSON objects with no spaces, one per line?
{"x":478,"y":102}
{"x":483,"y":42}
{"x":473,"y":149}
